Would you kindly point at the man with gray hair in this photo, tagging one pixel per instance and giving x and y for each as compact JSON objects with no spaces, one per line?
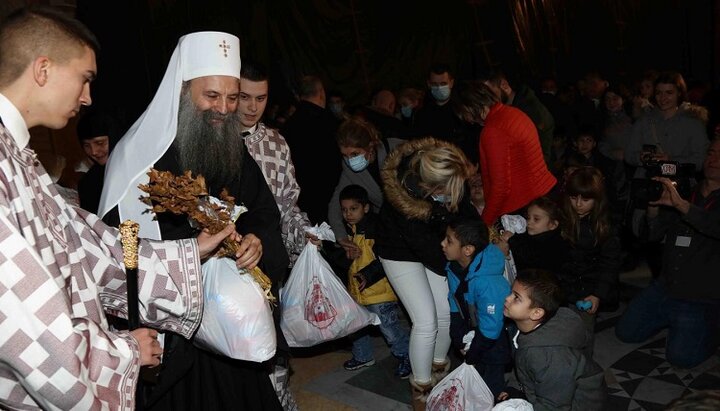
{"x":192,"y":124}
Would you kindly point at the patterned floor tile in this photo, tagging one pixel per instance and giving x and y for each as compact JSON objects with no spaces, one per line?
{"x":645,"y":377}
{"x":657,"y":391}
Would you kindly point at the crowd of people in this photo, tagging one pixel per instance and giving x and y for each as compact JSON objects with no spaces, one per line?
{"x":496,"y":217}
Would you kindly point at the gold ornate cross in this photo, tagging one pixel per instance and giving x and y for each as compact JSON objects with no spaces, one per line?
{"x":225,"y":47}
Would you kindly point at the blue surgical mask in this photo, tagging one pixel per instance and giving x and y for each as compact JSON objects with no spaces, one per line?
{"x":406,"y":111}
{"x":440,"y":198}
{"x":336,"y":108}
{"x":440,"y":93}
{"x":357,"y":163}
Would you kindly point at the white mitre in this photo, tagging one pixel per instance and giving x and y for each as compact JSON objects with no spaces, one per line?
{"x":199,"y":54}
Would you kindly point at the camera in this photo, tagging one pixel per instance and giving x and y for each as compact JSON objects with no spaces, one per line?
{"x":647,"y":153}
{"x":645,"y":190}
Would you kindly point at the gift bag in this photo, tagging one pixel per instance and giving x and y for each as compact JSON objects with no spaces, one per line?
{"x":513,"y":404}
{"x":515,"y":224}
{"x":237,"y":320}
{"x":316,"y":306}
{"x":462,"y":389}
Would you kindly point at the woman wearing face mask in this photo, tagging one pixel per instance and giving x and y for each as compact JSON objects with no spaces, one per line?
{"x":425,"y":187}
{"x":363,"y":154}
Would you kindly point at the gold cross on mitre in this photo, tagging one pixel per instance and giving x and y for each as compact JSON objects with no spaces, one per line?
{"x":225,"y":47}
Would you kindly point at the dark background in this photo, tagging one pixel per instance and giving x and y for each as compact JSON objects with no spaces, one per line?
{"x":358,"y":46}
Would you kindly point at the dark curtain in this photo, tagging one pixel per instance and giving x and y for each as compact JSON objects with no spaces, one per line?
{"x":358,"y":46}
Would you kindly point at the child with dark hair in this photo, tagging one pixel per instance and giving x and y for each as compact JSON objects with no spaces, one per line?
{"x":369,"y":286}
{"x":586,"y":144}
{"x":551,"y":366}
{"x":571,"y":161}
{"x":542,"y":245}
{"x":590,"y":276}
{"x":477,"y":291}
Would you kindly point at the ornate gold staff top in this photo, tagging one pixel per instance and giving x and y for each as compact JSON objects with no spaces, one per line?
{"x":129,"y":239}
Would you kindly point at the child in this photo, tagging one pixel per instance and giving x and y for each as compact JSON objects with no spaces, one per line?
{"x":477,"y":291}
{"x":550,"y":363}
{"x":613,"y":171}
{"x":369,"y":286}
{"x":542,"y":245}
{"x":591,"y":274}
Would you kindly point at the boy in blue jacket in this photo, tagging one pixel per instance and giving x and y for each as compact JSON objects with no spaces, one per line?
{"x":477,"y":293}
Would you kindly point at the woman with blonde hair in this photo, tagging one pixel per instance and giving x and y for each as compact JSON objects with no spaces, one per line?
{"x":425,"y":188}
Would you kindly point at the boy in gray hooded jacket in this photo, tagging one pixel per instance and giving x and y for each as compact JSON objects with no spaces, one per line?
{"x":550,"y":365}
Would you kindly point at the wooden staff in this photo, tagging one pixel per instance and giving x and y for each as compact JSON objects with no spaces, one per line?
{"x":129,"y":238}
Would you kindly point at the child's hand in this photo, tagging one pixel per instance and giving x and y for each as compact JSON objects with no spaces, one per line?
{"x":313,"y":239}
{"x":595,"y":303}
{"x":503,"y":396}
{"x":505,"y":235}
{"x":503,"y":245}
{"x":362,"y":281}
{"x":352,"y":251}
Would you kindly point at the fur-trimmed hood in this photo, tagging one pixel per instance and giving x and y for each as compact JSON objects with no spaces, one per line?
{"x":693,"y":110}
{"x":409,"y":204}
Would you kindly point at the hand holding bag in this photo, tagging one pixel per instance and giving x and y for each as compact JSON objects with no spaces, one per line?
{"x":316,"y":306}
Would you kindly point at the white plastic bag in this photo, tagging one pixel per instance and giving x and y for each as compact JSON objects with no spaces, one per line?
{"x":237,"y":320}
{"x":462,"y":389}
{"x":316,"y":306}
{"x":515,"y":224}
{"x":513,"y":404}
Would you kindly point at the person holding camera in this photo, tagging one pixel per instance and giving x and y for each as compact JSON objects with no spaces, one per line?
{"x":686,"y":297}
{"x":672,"y":131}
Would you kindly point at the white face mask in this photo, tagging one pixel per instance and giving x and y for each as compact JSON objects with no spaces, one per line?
{"x":336,"y":108}
{"x":440,"y":93}
{"x":357,"y":163}
{"x":406,"y":111}
{"x":440,"y":198}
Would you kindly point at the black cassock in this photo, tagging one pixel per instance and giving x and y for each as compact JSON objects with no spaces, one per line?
{"x":195,"y":379}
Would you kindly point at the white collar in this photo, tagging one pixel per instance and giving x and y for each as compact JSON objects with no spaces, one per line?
{"x":253,"y":129}
{"x":14,"y":122}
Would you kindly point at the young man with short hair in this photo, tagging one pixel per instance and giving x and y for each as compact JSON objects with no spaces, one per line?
{"x":272,"y":154}
{"x":60,"y":268}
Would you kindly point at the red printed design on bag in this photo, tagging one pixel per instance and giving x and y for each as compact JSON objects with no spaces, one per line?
{"x":451,"y":398}
{"x":318,"y":310}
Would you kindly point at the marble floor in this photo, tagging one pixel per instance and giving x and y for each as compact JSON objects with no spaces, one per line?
{"x":638,"y":376}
